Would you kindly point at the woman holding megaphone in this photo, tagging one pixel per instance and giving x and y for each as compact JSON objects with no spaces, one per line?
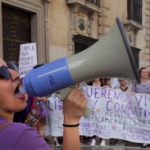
{"x":16,"y":136}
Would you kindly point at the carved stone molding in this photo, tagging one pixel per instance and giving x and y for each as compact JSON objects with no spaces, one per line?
{"x":132,"y":24}
{"x":83,"y":20}
{"x":84,"y":4}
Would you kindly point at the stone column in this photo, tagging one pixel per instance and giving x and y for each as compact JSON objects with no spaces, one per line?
{"x":147,"y":32}
{"x":103,"y":25}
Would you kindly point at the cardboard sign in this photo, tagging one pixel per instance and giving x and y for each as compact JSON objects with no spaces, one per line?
{"x":27,"y":58}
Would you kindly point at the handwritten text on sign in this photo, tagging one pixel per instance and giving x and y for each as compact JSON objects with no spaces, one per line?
{"x":27,"y":58}
{"x":112,"y":113}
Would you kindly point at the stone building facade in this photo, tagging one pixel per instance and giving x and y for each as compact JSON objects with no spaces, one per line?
{"x":64,"y":27}
{"x":145,"y":55}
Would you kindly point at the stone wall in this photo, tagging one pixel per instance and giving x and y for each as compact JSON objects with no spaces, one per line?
{"x":146,"y":54}
{"x":63,"y":24}
{"x":58,"y":29}
{"x":139,"y":36}
{"x":110,"y":10}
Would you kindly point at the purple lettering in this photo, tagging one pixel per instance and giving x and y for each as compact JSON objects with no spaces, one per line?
{"x":117,"y":107}
{"x":109,"y":94}
{"x":116,"y":94}
{"x":104,"y":92}
{"x":138,"y":99}
{"x":96,"y":92}
{"x":89,"y":91}
{"x":108,"y":106}
{"x":95,"y":104}
{"x":123,"y":108}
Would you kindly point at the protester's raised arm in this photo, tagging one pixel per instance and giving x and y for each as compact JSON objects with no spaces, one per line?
{"x":74,"y":108}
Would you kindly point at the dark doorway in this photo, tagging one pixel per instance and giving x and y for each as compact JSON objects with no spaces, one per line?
{"x":16,"y":30}
{"x":82,"y":43}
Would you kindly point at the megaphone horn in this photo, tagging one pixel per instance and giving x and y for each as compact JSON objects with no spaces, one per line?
{"x":111,"y":56}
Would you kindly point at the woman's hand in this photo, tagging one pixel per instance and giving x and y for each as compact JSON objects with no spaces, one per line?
{"x":74,"y":107}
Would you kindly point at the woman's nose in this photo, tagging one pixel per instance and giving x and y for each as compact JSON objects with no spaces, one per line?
{"x":14,"y":74}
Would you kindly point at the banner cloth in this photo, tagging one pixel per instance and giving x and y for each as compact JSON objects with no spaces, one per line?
{"x":110,"y":113}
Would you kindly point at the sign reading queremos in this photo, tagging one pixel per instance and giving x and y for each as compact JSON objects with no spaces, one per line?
{"x":110,"y":113}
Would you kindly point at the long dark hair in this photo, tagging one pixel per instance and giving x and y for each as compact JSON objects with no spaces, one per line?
{"x":140,"y":70}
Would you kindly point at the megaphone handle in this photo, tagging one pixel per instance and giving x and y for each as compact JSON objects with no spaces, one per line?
{"x":62,"y":94}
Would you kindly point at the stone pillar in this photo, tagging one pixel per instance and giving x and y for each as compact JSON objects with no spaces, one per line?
{"x":103,"y":25}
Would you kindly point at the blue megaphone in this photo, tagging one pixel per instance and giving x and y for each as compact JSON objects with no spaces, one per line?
{"x":111,"y":56}
{"x":48,"y":78}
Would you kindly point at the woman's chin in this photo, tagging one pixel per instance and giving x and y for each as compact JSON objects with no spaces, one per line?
{"x":21,"y":105}
{"x":20,"y":108}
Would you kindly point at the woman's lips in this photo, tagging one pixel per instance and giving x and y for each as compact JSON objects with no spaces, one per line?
{"x":20,"y":96}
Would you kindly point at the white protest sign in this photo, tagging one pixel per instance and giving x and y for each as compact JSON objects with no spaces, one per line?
{"x":27,"y":58}
{"x":112,"y":113}
{"x":54,"y":123}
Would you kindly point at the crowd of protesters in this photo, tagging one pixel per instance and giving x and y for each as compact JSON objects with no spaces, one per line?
{"x":124,"y":85}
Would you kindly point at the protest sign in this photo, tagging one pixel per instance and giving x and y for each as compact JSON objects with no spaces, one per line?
{"x":54,"y":122}
{"x":27,"y":58}
{"x":112,"y":113}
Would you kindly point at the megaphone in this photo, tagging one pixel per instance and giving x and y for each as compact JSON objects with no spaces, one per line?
{"x":111,"y":56}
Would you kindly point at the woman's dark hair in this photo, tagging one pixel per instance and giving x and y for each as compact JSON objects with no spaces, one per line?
{"x":104,"y":81}
{"x":140,"y":70}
